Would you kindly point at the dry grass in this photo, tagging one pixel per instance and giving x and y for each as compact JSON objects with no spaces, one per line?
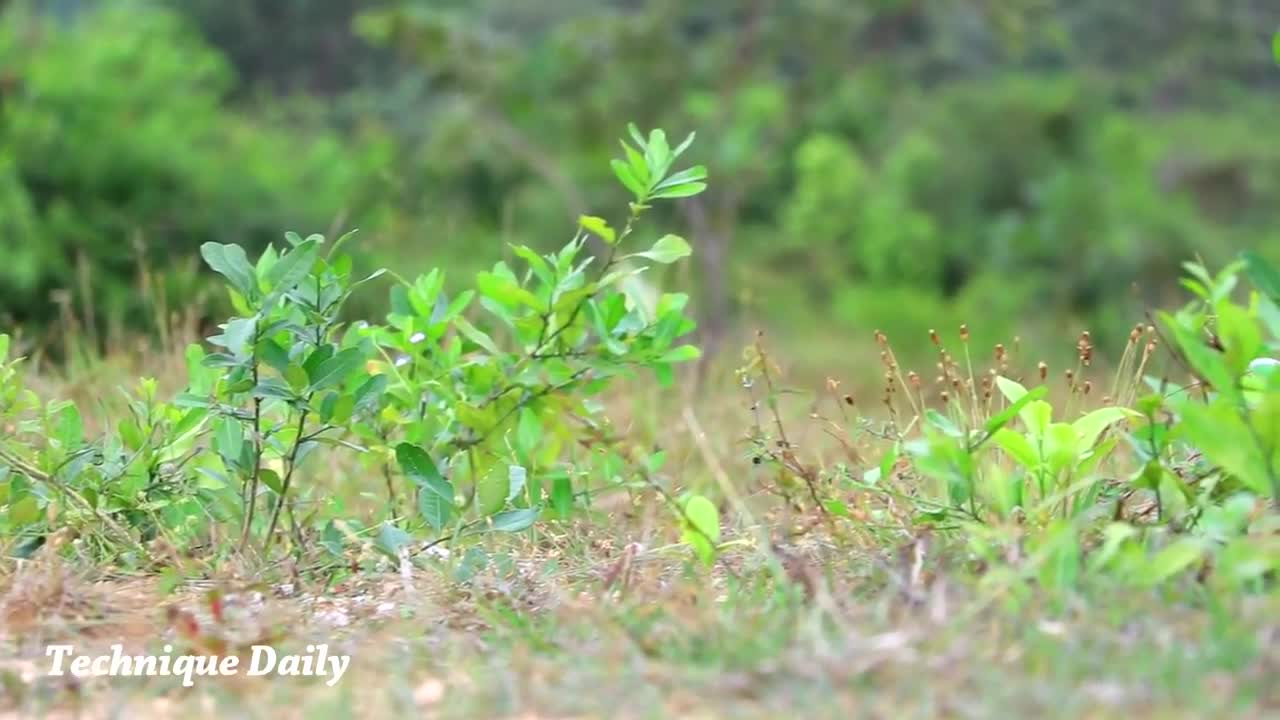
{"x":607,"y":616}
{"x":547,"y":629}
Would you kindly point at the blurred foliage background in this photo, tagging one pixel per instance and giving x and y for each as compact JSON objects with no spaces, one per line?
{"x":1020,"y":165}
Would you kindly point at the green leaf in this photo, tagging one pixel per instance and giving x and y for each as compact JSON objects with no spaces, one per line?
{"x":1240,"y":336}
{"x":888,"y":461}
{"x":1036,"y":416}
{"x":562,"y":494}
{"x":1018,"y":447}
{"x":667,"y":250}
{"x":417,"y":464}
{"x":506,"y":291}
{"x":683,"y":146}
{"x":599,"y":227}
{"x":1089,"y":460}
{"x":228,"y":441}
{"x":328,"y":404}
{"x":492,"y":486}
{"x":1002,"y":418}
{"x":1061,"y":446}
{"x":331,"y":539}
{"x":569,"y":300}
{"x":639,"y":168}
{"x":130,"y":436}
{"x":1012,"y":390}
{"x":679,"y":191}
{"x":657,"y":154}
{"x":231,"y":262}
{"x":514,"y":520}
{"x":837,"y":508}
{"x":339,"y":243}
{"x":390,"y":540}
{"x":238,"y":336}
{"x":1089,"y":427}
{"x":458,"y":304}
{"x":528,"y":433}
{"x":1171,"y":560}
{"x":943,"y":423}
{"x":435,"y":497}
{"x":434,"y":509}
{"x":335,"y":370}
{"x":274,"y":355}
{"x":628,"y":179}
{"x":292,"y":267}
{"x":370,"y":392}
{"x":684,"y":353}
{"x":701,"y":523}
{"x":296,"y":376}
{"x":697,"y":173}
{"x":343,"y":408}
{"x":271,"y":479}
{"x":25,"y":511}
{"x":536,"y":262}
{"x":517,"y":478}
{"x":636,"y":135}
{"x":70,"y":428}
{"x":1275,"y":46}
{"x":475,"y":335}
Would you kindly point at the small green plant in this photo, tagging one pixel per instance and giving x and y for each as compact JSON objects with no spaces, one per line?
{"x":484,"y":407}
{"x":115,"y":491}
{"x":288,"y":378}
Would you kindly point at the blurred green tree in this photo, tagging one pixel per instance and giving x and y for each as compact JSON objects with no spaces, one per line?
{"x":118,"y":151}
{"x":975,"y":153}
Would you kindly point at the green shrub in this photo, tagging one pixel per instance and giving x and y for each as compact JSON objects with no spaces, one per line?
{"x":117,"y":150}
